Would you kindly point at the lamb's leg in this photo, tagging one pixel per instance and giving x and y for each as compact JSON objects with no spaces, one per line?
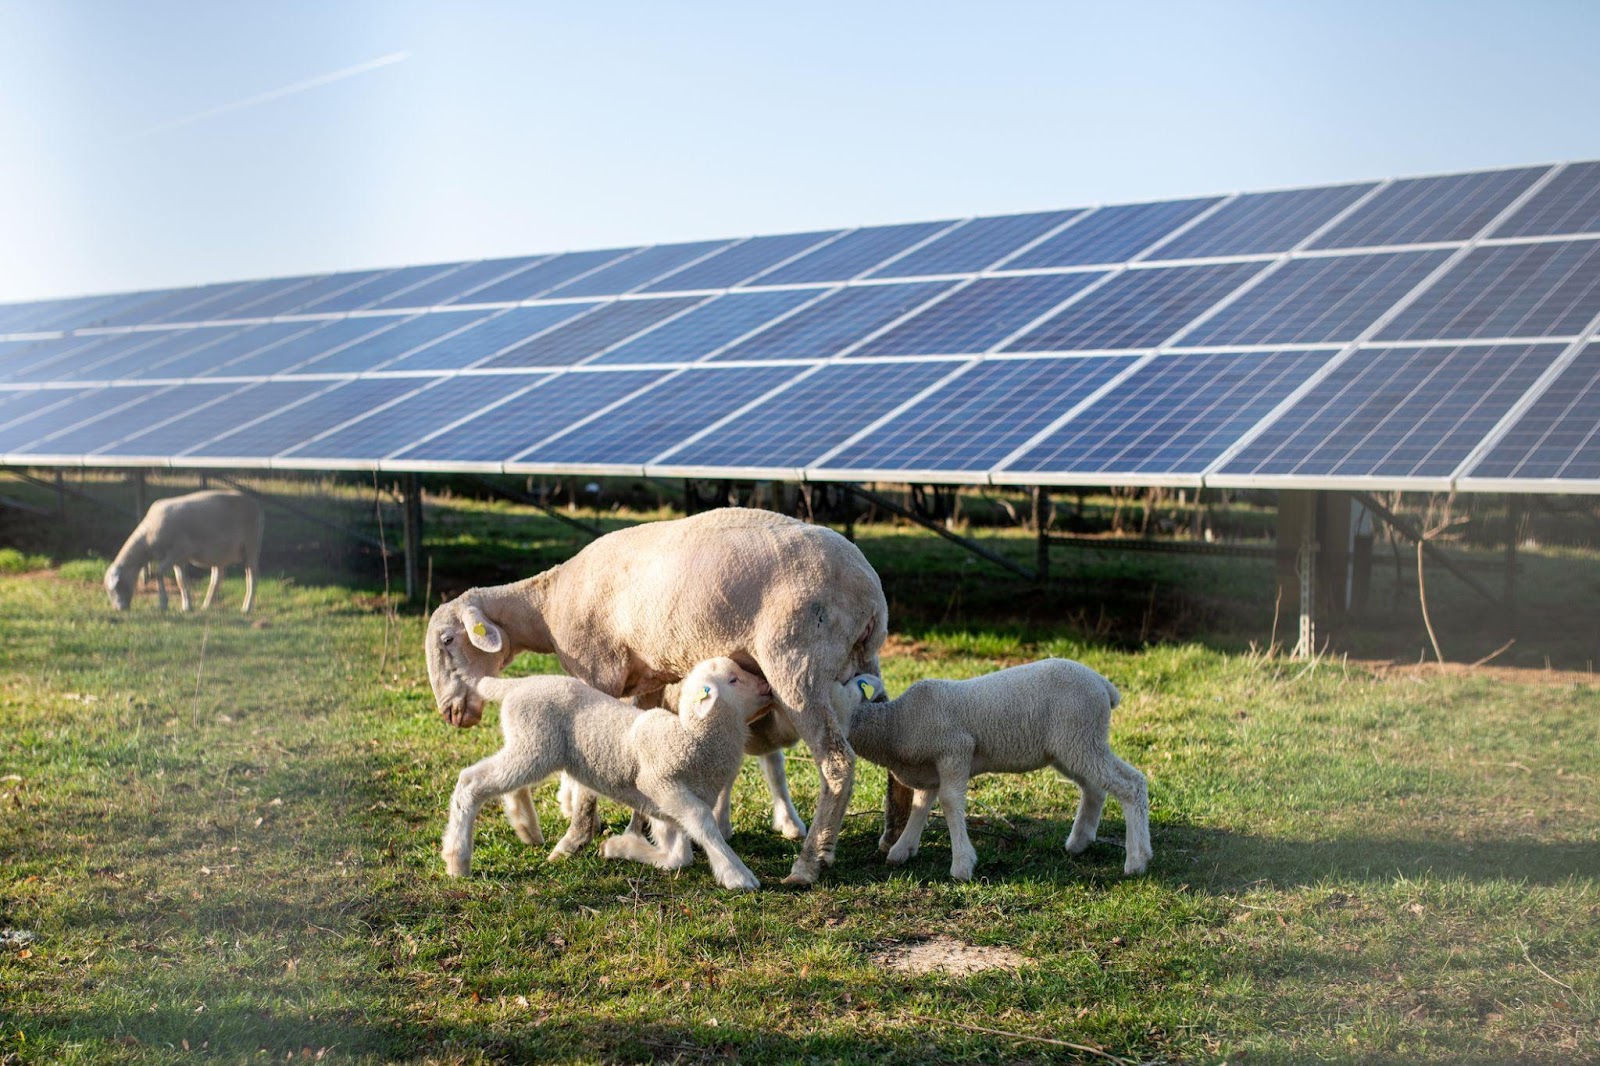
{"x":522,"y":816}
{"x":897,"y":802}
{"x":953,"y":776}
{"x":911,"y":836}
{"x":249,"y":589}
{"x":183,"y":586}
{"x":482,"y":781}
{"x":690,"y":812}
{"x":211,"y":589}
{"x":1091,"y":802}
{"x":785,"y":819}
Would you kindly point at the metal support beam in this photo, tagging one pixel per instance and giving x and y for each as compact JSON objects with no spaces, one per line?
{"x":970,"y":545}
{"x":411,"y":512}
{"x":517,"y":496}
{"x":1366,"y":500}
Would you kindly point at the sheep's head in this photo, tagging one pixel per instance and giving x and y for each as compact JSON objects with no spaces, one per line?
{"x":718,"y":683}
{"x":119,"y":585}
{"x":462,"y":646}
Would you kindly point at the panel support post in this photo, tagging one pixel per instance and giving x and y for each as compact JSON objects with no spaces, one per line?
{"x":412,"y":513}
{"x":1041,"y":528}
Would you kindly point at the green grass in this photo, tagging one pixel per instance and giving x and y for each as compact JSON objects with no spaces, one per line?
{"x":223,"y":832}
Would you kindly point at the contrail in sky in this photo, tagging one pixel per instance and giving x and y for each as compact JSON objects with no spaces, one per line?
{"x":272,"y":94}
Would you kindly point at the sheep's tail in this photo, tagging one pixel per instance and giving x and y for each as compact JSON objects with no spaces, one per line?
{"x":1111,"y":693}
{"x":494,"y":688}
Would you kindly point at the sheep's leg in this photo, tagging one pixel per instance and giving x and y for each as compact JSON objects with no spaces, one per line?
{"x":911,"y":836}
{"x":249,"y":589}
{"x":183,"y":586}
{"x":953,"y":776}
{"x":690,"y":812}
{"x":522,"y":816}
{"x":482,"y":781}
{"x":897,"y":802}
{"x":1091,"y":802}
{"x":836,"y":769}
{"x":211,"y":589}
{"x":785,"y":819}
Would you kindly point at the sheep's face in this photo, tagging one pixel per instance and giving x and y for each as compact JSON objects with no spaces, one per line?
{"x":461,"y":647}
{"x":722,"y":682}
{"x":119,"y":587}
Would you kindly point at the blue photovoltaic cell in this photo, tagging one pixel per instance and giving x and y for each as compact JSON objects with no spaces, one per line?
{"x":595,"y":331}
{"x":1396,"y":412}
{"x":708,"y":327}
{"x":490,"y":336}
{"x":458,"y":285}
{"x":524,"y":421}
{"x":1174,"y":415}
{"x":634,"y":271}
{"x":979,"y":316}
{"x":81,"y":408}
{"x":544,"y":276}
{"x":835,"y":322}
{"x":811,"y":417}
{"x":1110,"y":234}
{"x":290,"y":301}
{"x":1262,"y":222}
{"x":294,"y":425}
{"x":1136,"y":309}
{"x":205,"y":421}
{"x":975,"y":420}
{"x":153,"y":409}
{"x":377,"y":349}
{"x":1317,"y":300}
{"x":233,"y":344}
{"x":671,"y":411}
{"x":384,"y":286}
{"x":288,"y":355}
{"x":1419,"y":210}
{"x":1508,"y":290}
{"x":1558,"y":436}
{"x":738,"y":262}
{"x":1569,"y":204}
{"x":853,"y":254}
{"x":974,"y":245}
{"x":145,"y":349}
{"x":414,"y":417}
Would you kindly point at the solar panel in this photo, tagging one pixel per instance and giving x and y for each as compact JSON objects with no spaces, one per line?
{"x":851,"y":255}
{"x":301,"y":348}
{"x":1511,"y":290}
{"x":632,"y":272}
{"x":1176,"y":414}
{"x":1558,"y":436}
{"x":206,"y":420}
{"x":834,"y":322}
{"x":669,"y":412}
{"x":975,"y":245}
{"x":410,"y":419}
{"x":1317,"y":300}
{"x":458,"y":285}
{"x":1109,"y":234}
{"x":976,"y":318}
{"x":978,"y":418}
{"x":298,"y":422}
{"x":489,"y":335}
{"x":1570,"y":203}
{"x":1135,"y":309}
{"x":526,"y":419}
{"x":374,"y":351}
{"x":221,"y":350}
{"x":544,"y":276}
{"x":738,"y":262}
{"x":1262,"y":222}
{"x":593,"y":332}
{"x":1396,"y":412}
{"x":719,"y":322}
{"x":1419,"y":210}
{"x":795,"y":426}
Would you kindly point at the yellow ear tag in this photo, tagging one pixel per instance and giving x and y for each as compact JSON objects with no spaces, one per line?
{"x":705,"y":694}
{"x":479,"y":629}
{"x":867,"y":691}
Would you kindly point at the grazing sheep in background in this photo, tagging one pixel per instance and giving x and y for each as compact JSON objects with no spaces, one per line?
{"x":938,"y":734}
{"x":668,"y":766}
{"x":211,"y":528}
{"x":638,"y":608}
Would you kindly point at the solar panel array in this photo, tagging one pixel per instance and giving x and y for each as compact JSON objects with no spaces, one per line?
{"x":1426,"y":333}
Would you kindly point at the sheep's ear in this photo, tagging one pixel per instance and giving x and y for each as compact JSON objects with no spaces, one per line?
{"x":704,"y":700}
{"x":484,"y":634}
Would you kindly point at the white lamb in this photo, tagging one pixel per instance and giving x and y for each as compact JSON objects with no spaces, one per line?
{"x":210,"y":528}
{"x":668,"y":766}
{"x":938,"y":734}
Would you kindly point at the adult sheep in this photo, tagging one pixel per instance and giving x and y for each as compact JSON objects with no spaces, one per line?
{"x":635,"y":611}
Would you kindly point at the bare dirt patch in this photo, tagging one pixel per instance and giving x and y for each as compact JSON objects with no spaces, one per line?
{"x":944,"y":954}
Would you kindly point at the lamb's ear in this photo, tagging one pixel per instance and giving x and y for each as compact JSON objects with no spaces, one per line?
{"x":484,"y":634}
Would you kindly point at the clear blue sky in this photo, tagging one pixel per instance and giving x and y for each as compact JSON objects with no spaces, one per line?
{"x":161,"y":143}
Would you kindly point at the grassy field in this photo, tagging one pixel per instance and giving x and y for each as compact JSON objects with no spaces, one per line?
{"x":221,"y":834}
